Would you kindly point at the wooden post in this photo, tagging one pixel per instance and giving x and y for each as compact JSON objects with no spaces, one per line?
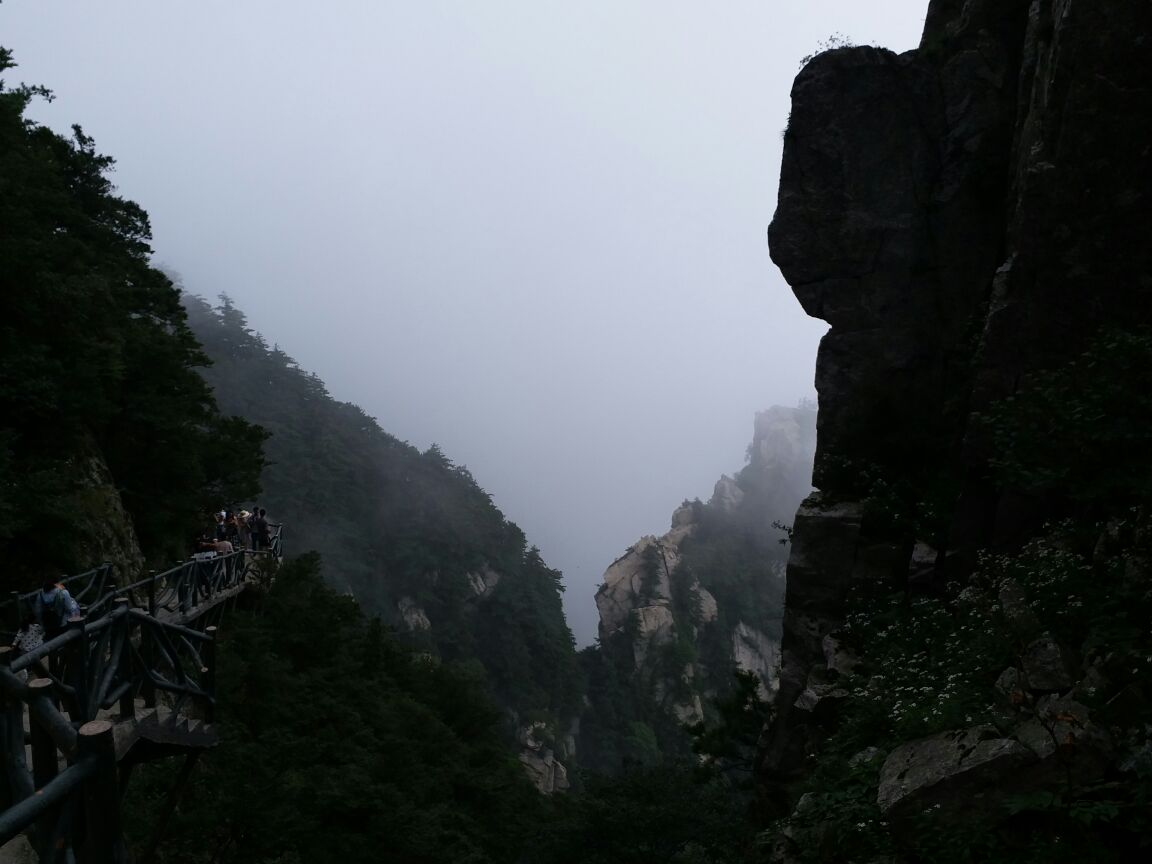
{"x":128,"y":700}
{"x":12,"y":740}
{"x":184,"y":584}
{"x":209,"y":672}
{"x":44,"y":760}
{"x":147,"y":688}
{"x":102,"y":841}
{"x":16,"y":620}
{"x":78,"y":672}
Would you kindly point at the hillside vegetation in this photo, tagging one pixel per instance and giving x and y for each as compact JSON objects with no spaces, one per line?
{"x":109,"y":439}
{"x":409,"y":534}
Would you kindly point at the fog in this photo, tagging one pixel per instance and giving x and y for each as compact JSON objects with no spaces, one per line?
{"x":532,"y":232}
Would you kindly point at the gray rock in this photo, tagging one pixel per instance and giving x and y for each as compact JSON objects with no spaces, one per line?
{"x":1046,"y":665}
{"x":967,"y":772}
{"x":822,"y":701}
{"x":727,"y":494}
{"x":1093,"y":687}
{"x":837,"y":658}
{"x":865,"y":757}
{"x":1070,"y":747}
{"x":1010,"y":686}
{"x":820,"y":571}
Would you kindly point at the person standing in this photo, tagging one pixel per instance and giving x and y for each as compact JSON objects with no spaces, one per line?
{"x":53,"y":608}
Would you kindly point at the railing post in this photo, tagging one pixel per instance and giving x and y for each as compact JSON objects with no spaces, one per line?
{"x":16,"y":619}
{"x":152,"y":593}
{"x":187,"y":574}
{"x":102,"y":841}
{"x":44,"y":759}
{"x":12,"y":740}
{"x":147,"y":654}
{"x":78,"y":669}
{"x":209,"y":673}
{"x":128,"y":700}
{"x":44,"y":762}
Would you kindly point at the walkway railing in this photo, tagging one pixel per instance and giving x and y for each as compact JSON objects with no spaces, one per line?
{"x":76,"y":718}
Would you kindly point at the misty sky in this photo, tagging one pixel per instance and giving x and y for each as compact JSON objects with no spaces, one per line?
{"x":530,"y":231}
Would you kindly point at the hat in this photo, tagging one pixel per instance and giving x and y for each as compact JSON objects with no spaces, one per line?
{"x":244,"y":514}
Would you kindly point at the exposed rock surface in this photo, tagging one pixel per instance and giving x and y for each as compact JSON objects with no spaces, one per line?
{"x":967,"y":770}
{"x":676,"y":616}
{"x":413,"y":615}
{"x":100,"y":527}
{"x":962,"y":215}
{"x":545,"y":770}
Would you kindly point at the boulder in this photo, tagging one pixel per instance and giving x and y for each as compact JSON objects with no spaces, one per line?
{"x":965,"y":774}
{"x":821,"y":701}
{"x":1010,"y":687}
{"x":1046,"y":666}
{"x":1070,"y":747}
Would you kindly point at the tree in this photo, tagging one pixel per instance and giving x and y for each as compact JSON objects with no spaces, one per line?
{"x":98,"y":369}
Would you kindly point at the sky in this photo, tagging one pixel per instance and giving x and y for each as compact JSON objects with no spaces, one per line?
{"x":532,"y":232}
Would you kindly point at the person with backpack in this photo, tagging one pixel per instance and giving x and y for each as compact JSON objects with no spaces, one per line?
{"x":53,"y":608}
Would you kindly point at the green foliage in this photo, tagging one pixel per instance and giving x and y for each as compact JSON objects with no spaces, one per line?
{"x":1084,"y":429}
{"x":341,"y":746}
{"x":672,"y":813}
{"x":833,"y":42}
{"x":97,"y":366}
{"x":929,"y":664}
{"x":730,"y":742}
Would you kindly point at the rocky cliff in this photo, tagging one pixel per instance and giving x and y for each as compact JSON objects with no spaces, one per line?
{"x":971,"y":218}
{"x":680,"y":612}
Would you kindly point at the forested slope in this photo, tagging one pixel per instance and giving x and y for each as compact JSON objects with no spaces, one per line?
{"x":409,"y":534}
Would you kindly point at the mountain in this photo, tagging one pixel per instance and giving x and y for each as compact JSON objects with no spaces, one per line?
{"x":681,"y":612}
{"x":965,"y":643}
{"x":408,"y":534}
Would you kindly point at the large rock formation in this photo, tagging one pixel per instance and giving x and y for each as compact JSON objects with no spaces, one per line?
{"x":962,"y":215}
{"x":680,"y":612}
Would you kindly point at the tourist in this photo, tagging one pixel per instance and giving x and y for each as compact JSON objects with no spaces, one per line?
{"x":53,"y":608}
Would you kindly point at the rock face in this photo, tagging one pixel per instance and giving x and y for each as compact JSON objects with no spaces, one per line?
{"x":545,"y":770}
{"x":676,"y":616}
{"x":101,"y":527}
{"x":962,"y":215}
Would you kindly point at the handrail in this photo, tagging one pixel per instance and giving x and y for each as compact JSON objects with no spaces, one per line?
{"x":21,"y":815}
{"x":134,"y":641}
